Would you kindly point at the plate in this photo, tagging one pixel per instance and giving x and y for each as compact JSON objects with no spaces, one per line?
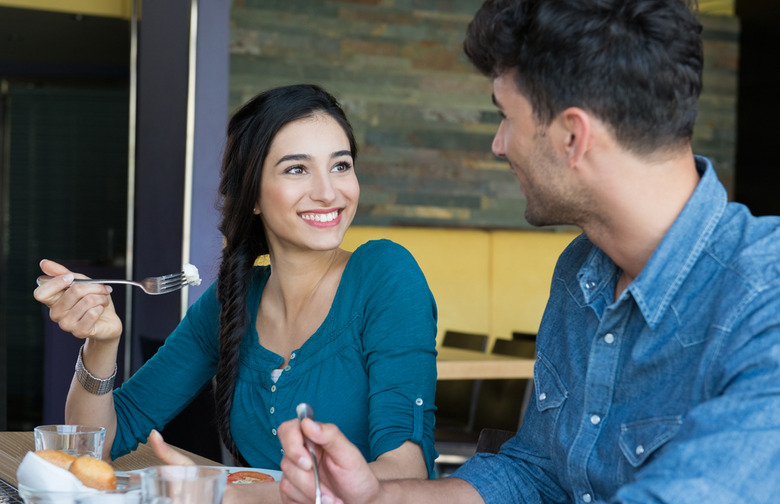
{"x":277,"y":475}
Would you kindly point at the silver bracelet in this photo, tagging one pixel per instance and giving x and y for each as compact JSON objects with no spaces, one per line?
{"x":91,"y":383}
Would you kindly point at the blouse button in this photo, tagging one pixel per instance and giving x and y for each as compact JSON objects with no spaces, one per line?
{"x":418,"y":401}
{"x":272,"y":410}
{"x":609,"y":338}
{"x":292,"y":356}
{"x":542,"y":396}
{"x":273,"y":431}
{"x":639,"y":450}
{"x":586,"y":497}
{"x":287,"y":367}
{"x":273,"y":388}
{"x":595,"y":419}
{"x":590,"y":285}
{"x":282,"y":450}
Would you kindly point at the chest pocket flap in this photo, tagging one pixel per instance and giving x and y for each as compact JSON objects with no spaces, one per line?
{"x":548,"y":387}
{"x":641,"y":439}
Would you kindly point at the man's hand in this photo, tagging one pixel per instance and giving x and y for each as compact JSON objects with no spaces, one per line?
{"x":345,"y":476}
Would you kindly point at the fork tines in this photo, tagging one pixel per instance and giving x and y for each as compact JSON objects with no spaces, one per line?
{"x":172,"y":282}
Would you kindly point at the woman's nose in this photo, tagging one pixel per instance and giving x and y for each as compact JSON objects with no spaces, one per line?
{"x":323,"y":188}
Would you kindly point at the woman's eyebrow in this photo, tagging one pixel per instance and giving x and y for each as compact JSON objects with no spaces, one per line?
{"x":293,"y":157}
{"x":341,"y":153}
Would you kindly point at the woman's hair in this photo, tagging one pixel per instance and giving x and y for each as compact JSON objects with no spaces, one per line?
{"x":250,"y":133}
{"x":636,"y":64}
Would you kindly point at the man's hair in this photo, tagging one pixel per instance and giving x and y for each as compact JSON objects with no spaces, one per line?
{"x":635,"y":64}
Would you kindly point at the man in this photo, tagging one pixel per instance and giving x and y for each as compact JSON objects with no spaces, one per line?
{"x":658,"y":369}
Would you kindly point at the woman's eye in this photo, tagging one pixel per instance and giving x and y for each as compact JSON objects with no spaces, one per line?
{"x":294,"y":170}
{"x":342,"y":166}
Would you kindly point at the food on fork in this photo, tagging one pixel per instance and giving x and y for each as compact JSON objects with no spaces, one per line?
{"x":248,"y":477}
{"x":191,"y":274}
{"x":92,"y":472}
{"x":56,"y":457}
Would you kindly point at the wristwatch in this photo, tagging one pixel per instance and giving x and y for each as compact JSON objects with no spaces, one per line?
{"x":91,"y":383}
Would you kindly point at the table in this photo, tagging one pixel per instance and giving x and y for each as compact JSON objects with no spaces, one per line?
{"x":460,"y":364}
{"x":15,"y":445}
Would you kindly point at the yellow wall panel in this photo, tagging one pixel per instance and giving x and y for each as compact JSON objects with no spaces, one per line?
{"x":522,"y":268}
{"x":105,"y":8}
{"x":456,"y":264}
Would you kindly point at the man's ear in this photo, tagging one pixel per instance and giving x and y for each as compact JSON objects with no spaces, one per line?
{"x":576,"y":130}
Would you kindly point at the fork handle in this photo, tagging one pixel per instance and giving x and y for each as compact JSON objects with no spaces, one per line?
{"x":45,"y":278}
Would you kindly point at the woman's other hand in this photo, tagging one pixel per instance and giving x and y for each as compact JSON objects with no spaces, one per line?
{"x":84,"y":310}
{"x":165,"y":453}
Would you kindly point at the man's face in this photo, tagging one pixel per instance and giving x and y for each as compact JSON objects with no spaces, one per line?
{"x":526,"y":144}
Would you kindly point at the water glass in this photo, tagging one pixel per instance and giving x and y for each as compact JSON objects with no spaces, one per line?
{"x":183,"y":485}
{"x":74,"y":439}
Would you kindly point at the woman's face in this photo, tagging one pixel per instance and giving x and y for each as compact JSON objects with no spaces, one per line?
{"x":309,"y":191}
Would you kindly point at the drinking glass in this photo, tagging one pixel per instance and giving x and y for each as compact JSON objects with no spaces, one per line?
{"x":183,"y":485}
{"x":74,"y":439}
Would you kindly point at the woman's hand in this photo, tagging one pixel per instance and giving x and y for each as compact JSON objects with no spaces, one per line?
{"x":84,"y":310}
{"x":165,"y":453}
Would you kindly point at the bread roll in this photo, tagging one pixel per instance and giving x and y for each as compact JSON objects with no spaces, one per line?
{"x":94,"y":473}
{"x":56,"y":457}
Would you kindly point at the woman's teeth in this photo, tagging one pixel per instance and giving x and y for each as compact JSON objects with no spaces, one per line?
{"x":321,"y":217}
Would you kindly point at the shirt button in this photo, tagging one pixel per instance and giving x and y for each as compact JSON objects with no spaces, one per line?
{"x":590,"y":285}
{"x":292,"y":356}
{"x":418,"y":401}
{"x":609,"y":338}
{"x":586,"y":497}
{"x":639,"y":450}
{"x":272,"y":410}
{"x":282,"y":450}
{"x":287,"y":367}
{"x":273,"y":388}
{"x":595,"y":419}
{"x":273,"y":431}
{"x":542,"y":396}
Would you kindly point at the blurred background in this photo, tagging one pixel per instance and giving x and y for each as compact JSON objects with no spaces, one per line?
{"x":112,"y":119}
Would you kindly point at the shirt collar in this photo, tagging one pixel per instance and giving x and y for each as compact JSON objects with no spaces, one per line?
{"x":674,"y":257}
{"x":681,"y":247}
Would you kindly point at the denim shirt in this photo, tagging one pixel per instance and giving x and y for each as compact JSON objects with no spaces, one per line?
{"x":669,"y":394}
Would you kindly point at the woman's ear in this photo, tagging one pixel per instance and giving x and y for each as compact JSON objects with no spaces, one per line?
{"x":576,"y":130}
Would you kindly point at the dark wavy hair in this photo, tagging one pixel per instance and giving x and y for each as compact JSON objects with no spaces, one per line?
{"x":249,"y":135}
{"x":635,"y":64}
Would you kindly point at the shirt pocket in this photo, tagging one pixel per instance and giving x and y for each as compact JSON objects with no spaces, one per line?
{"x":639,"y":440}
{"x":549,"y":390}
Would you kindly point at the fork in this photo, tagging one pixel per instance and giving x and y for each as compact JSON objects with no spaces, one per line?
{"x":303,"y":410}
{"x":151,"y":285}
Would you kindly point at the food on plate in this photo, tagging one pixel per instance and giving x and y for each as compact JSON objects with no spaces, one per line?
{"x":56,"y":457}
{"x":94,"y":473}
{"x":191,"y":274}
{"x":248,"y":477}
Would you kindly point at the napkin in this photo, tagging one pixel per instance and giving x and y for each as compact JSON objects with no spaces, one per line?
{"x":36,"y":473}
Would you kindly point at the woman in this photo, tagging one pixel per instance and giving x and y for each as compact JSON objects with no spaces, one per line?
{"x":352,"y":334}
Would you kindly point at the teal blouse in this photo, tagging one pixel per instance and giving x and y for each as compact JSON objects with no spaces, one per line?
{"x":370,"y":368}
